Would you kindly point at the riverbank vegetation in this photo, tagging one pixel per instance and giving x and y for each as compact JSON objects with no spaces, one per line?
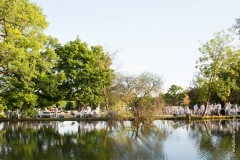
{"x":36,"y":71}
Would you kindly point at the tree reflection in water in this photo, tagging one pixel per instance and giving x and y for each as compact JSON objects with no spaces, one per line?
{"x":139,"y":140}
{"x":94,"y":140}
{"x":214,"y":138}
{"x":115,"y":140}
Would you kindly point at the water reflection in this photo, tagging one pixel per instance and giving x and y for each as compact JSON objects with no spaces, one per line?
{"x":160,"y":139}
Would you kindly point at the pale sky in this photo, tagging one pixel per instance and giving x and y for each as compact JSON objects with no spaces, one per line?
{"x":157,"y":36}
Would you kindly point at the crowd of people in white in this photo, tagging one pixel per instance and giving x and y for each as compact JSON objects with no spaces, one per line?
{"x":55,"y":112}
{"x":15,"y":114}
{"x":176,"y":110}
{"x":88,"y":112}
{"x":213,"y":109}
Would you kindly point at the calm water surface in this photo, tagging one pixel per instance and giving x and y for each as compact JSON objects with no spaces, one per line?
{"x":160,"y":139}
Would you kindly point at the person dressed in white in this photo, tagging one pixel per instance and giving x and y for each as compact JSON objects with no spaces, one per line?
{"x":89,"y":110}
{"x":180,"y":110}
{"x":39,"y":112}
{"x":96,"y":111}
{"x":210,"y":109}
{"x":85,"y":110}
{"x":219,"y":107}
{"x":82,"y":110}
{"x":202,"y":107}
{"x":235,"y":109}
{"x":195,"y":109}
{"x":215,"y":108}
{"x":81,"y":113}
{"x":228,"y":108}
{"x":187,"y":110}
{"x":175,"y":110}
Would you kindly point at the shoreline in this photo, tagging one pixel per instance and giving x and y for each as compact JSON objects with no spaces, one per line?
{"x":155,"y":117}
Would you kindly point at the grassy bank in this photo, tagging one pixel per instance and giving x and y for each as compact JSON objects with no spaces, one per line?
{"x":157,"y":117}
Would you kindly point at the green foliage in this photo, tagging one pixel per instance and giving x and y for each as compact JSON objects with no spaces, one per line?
{"x":193,"y":96}
{"x":29,"y":112}
{"x":2,"y":105}
{"x":174,"y":95}
{"x":61,"y":104}
{"x":69,"y":106}
{"x":120,"y":112}
{"x":2,"y":115}
{"x":26,"y":56}
{"x":217,"y":65}
{"x":84,"y":70}
{"x":48,"y":80}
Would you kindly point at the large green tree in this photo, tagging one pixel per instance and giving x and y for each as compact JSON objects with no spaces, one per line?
{"x":48,"y":81}
{"x":85,"y":70}
{"x":23,"y":56}
{"x":217,"y":66}
{"x":174,"y":95}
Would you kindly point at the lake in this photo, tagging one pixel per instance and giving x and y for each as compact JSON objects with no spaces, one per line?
{"x":101,"y":140}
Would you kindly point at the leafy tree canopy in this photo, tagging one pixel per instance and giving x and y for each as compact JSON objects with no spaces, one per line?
{"x":24,"y":55}
{"x":218,"y":65}
{"x":174,"y":95}
{"x":86,"y":69}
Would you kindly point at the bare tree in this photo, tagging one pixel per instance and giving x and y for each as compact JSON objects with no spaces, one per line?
{"x":135,"y":91}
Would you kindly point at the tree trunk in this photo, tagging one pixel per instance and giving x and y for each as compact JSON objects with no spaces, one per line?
{"x":105,"y":97}
{"x":107,"y":104}
{"x":206,"y":108}
{"x":78,"y":105}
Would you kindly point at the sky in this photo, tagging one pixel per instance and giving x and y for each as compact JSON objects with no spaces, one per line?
{"x":157,"y":36}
